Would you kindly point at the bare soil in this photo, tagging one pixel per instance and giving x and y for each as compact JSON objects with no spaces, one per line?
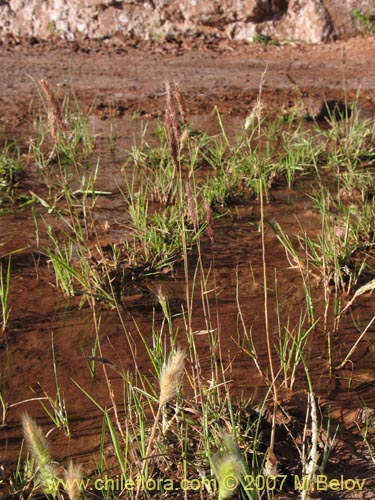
{"x":129,"y":77}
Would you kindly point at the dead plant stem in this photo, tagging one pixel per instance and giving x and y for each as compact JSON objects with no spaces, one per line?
{"x":149,"y":446}
{"x":347,"y":357}
{"x":262,"y":228}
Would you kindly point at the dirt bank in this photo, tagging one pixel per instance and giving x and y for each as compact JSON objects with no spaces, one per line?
{"x":130,"y":77}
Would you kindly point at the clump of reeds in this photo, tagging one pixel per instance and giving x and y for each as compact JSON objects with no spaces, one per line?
{"x":55,"y":119}
{"x":38,"y":447}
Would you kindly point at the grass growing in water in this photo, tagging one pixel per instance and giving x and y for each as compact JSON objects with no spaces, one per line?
{"x":170,"y":192}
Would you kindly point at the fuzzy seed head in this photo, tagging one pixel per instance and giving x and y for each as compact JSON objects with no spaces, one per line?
{"x":171,"y":377}
{"x":37,"y":444}
{"x":55,"y":119}
{"x":184,"y":137}
{"x":228,"y":467}
{"x":53,"y":107}
{"x":35,"y":440}
{"x":258,"y":110}
{"x":229,"y":472}
{"x":73,"y":480}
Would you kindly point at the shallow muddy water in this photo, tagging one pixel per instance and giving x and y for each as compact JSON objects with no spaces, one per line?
{"x":41,"y":317}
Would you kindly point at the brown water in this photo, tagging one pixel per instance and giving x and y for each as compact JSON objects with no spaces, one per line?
{"x":39,"y":314}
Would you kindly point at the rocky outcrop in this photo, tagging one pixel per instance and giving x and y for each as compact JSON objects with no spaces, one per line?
{"x":342,"y":13}
{"x":305,"y":20}
{"x":311,"y":21}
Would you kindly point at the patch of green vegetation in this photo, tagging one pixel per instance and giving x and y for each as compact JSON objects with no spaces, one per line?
{"x":63,"y":137}
{"x":169,"y":184}
{"x":367,"y":20}
{"x":11,"y":168}
{"x":264,"y":39}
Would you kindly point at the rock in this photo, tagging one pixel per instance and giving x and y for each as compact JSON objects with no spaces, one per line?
{"x":228,"y":11}
{"x":305,"y":20}
{"x":344,"y":23}
{"x":311,"y":21}
{"x":242,"y":31}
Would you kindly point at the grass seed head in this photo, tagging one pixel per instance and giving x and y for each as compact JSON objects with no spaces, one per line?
{"x":228,"y":467}
{"x":35,"y":440}
{"x":180,"y":104}
{"x":73,"y":479}
{"x":52,"y":104}
{"x":172,"y":111}
{"x":171,"y":377}
{"x":38,"y":447}
{"x":229,"y":472}
{"x":172,"y":141}
{"x":55,"y":118}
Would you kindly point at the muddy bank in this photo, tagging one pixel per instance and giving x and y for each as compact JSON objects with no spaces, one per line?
{"x":130,"y":77}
